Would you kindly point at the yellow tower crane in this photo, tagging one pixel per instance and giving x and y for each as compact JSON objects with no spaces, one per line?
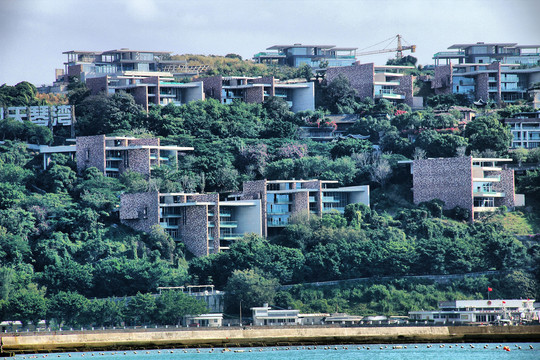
{"x":399,"y":49}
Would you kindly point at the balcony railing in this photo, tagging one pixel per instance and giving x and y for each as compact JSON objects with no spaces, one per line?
{"x":228,"y":224}
{"x":277,"y":223}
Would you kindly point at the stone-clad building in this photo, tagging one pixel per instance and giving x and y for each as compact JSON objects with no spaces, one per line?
{"x":202,"y":222}
{"x":280,"y":199}
{"x":377,"y":82}
{"x":208,"y":225}
{"x":114,"y":155}
{"x":476,"y":184}
{"x":299,"y":96}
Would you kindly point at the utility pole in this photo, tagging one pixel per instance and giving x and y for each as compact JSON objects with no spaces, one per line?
{"x":240,"y":313}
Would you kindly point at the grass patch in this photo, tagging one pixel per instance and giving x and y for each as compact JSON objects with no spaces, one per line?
{"x":520,"y":223}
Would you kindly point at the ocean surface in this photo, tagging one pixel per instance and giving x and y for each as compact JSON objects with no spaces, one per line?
{"x":476,"y":351}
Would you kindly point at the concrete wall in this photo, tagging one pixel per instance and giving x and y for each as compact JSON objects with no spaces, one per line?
{"x":303,"y":98}
{"x":253,"y":190}
{"x":194,"y":93}
{"x":266,"y":336}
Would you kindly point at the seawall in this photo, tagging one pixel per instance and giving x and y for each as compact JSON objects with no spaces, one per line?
{"x":260,"y":336}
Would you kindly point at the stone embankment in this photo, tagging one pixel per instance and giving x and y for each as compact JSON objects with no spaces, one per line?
{"x":260,"y":336}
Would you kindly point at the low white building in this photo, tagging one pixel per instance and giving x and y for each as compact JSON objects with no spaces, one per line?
{"x":266,"y":316}
{"x":203,"y":320}
{"x":479,"y":311}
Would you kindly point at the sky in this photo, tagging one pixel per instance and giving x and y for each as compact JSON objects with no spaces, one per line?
{"x":34,"y":33}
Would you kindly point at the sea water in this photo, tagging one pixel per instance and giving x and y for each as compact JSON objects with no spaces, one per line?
{"x":476,"y":351}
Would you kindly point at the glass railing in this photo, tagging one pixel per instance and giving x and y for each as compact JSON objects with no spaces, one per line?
{"x":228,"y":223}
{"x":277,"y":223}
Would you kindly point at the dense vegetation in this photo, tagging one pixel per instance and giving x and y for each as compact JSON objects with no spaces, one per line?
{"x":61,"y":243}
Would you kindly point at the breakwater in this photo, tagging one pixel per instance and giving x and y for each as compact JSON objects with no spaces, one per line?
{"x":260,"y":336}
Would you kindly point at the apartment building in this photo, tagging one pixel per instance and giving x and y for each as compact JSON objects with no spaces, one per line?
{"x":499,"y":82}
{"x":202,"y":222}
{"x":115,"y":154}
{"x":146,"y":89}
{"x":476,"y":184}
{"x":525,"y":128}
{"x":280,"y":199}
{"x":487,"y":53}
{"x":207,"y":225}
{"x":377,"y":82}
{"x":298,"y":95}
{"x":314,"y":55}
{"x":88,"y":64}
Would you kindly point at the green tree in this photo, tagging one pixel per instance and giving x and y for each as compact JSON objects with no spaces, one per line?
{"x":487,"y":132}
{"x":173,"y":305}
{"x":339,"y":97}
{"x":350,"y":146}
{"x":28,"y":305}
{"x":67,"y":307}
{"x":140,"y":309}
{"x":248,"y":288}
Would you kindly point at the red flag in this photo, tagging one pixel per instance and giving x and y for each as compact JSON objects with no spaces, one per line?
{"x":490,"y":289}
{"x":504,"y":302}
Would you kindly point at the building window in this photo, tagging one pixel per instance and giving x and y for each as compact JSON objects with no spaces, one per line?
{"x":87,"y":154}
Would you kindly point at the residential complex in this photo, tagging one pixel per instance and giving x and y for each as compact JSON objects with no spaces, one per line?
{"x":206,"y":224}
{"x":298,"y":95}
{"x":525,"y":128}
{"x":500,"y":312}
{"x":146,"y":89}
{"x":475,"y":184}
{"x":88,"y":64}
{"x":114,"y":155}
{"x":202,"y":222}
{"x":501,"y":83}
{"x":280,"y":199}
{"x":501,"y":72}
{"x":487,"y":53}
{"x":316,"y":56}
{"x":378,"y":82}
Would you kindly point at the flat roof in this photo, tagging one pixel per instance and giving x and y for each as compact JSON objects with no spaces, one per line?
{"x":461,"y":46}
{"x":344,"y":48}
{"x":277,"y":47}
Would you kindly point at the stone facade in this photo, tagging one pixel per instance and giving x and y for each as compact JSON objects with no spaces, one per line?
{"x":254,"y":95}
{"x":213,"y":87}
{"x":98,"y":85}
{"x":139,"y":161}
{"x":451,"y":180}
{"x":90,"y":152}
{"x":447,"y":179}
{"x":195,"y":234}
{"x":507,"y":186}
{"x":482,"y":87}
{"x":405,"y":88}
{"x":442,"y":79}
{"x":140,"y":211}
{"x":361,"y":77}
